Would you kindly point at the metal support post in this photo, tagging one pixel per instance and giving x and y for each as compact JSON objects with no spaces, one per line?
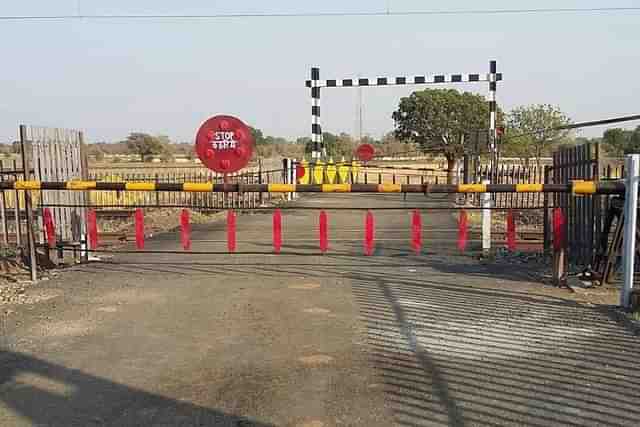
{"x":316,"y":130}
{"x":27,"y":204}
{"x":486,"y":221}
{"x":294,"y":175}
{"x":632,"y":167}
{"x":493,"y":150}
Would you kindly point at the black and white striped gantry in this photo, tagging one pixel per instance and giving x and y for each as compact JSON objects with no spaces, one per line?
{"x":315,"y":84}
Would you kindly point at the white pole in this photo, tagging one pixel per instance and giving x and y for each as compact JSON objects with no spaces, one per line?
{"x":632,"y":168}
{"x":290,"y":176}
{"x":486,"y":221}
{"x":294,"y":176}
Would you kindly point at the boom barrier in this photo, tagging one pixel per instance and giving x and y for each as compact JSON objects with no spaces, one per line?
{"x":574,"y":187}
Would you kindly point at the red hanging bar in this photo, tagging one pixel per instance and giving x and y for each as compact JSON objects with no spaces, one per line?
{"x":416,"y":232}
{"x":231,"y":231}
{"x":139,"y":228}
{"x":463,"y":231}
{"x":324,"y":232}
{"x":369,"y":234}
{"x":511,"y":231}
{"x":277,"y":231}
{"x":185,"y":230}
{"x":558,"y":229}
{"x":92,"y":229}
{"x":50,"y":227}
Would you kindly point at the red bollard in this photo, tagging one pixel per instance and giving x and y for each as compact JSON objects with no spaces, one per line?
{"x":511,"y":231}
{"x":277,"y":231}
{"x":231,"y":231}
{"x":185,"y":230}
{"x":416,"y":232}
{"x":463,"y":231}
{"x":139,"y":228}
{"x":50,"y":227}
{"x":92,"y":225}
{"x":558,"y":230}
{"x":369,"y":233}
{"x":324,"y":232}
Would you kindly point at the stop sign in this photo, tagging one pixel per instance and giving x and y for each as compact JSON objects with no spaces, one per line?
{"x":365,"y":152}
{"x":224,"y":144}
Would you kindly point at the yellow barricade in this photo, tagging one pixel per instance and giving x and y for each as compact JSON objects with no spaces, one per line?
{"x":343,"y":171}
{"x":331,"y":172}
{"x":304,"y":179}
{"x":355,"y":169}
{"x":318,"y":172}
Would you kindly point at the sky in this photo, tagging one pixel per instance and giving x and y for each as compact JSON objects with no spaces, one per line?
{"x":112,"y":77}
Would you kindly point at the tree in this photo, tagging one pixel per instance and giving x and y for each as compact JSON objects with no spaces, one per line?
{"x":335,"y":145}
{"x":392,"y":146}
{"x":620,"y":141}
{"x":633,"y":147}
{"x":303,"y":140}
{"x":616,"y":140}
{"x":328,"y":139}
{"x":258,"y":137}
{"x":441,"y":120}
{"x":530,"y":130}
{"x":144,"y":144}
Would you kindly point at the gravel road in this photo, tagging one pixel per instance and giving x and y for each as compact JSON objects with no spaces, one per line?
{"x":308,"y":340}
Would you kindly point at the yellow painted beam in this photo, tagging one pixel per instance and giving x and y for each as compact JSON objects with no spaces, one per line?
{"x":584,"y":187}
{"x":80,"y":185}
{"x":336,"y":188}
{"x":472,"y":188}
{"x":197,"y":187}
{"x":281,"y":188}
{"x":529,"y":188}
{"x":27,"y":185}
{"x":140,"y":186}
{"x":389,"y":188}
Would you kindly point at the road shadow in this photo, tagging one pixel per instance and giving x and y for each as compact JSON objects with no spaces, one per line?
{"x":48,"y":394}
{"x":348,"y":255}
{"x":452,"y":355}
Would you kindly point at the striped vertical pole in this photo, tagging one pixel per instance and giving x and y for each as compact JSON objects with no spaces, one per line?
{"x":316,"y":130}
{"x":493,"y":149}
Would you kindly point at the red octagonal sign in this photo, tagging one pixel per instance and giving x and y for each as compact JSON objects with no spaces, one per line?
{"x":365,"y":152}
{"x":224,"y":144}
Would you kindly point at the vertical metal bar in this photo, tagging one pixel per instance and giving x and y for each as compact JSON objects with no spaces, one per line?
{"x":316,"y":130}
{"x":492,"y":117}
{"x":545,"y":213}
{"x":486,"y":221}
{"x":632,"y":167}
{"x":591,"y":219}
{"x":157,"y":180}
{"x":16,"y":208}
{"x":3,"y":211}
{"x":27,"y":205}
{"x":85,"y":196}
{"x":260,"y":179}
{"x":578,"y":235}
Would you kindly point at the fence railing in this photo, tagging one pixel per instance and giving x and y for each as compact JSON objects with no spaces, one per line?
{"x":114,"y":199}
{"x":516,"y":174}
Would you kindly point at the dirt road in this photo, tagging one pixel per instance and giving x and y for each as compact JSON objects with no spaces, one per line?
{"x":310,"y":340}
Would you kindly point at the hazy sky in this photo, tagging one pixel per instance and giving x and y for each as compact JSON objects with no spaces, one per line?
{"x":110,"y":77}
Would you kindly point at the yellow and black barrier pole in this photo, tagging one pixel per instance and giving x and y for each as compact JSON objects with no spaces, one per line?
{"x":575,"y":187}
